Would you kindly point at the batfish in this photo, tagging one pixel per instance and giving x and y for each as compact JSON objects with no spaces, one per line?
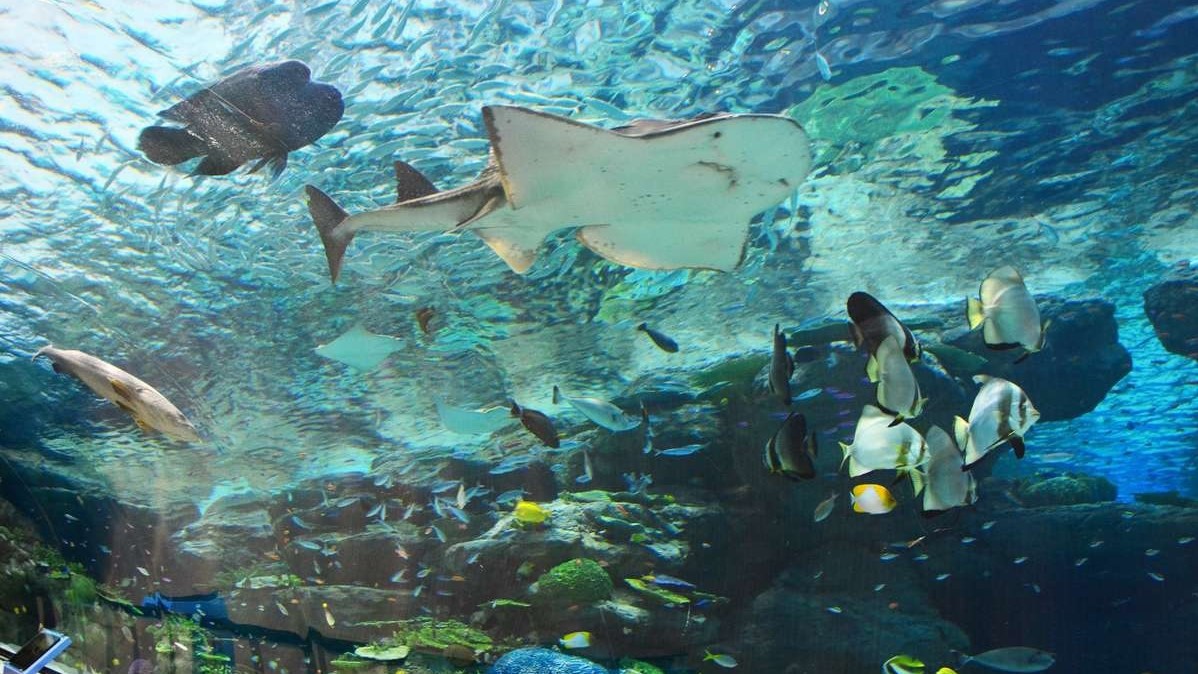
{"x":148,"y":407}
{"x":652,"y":195}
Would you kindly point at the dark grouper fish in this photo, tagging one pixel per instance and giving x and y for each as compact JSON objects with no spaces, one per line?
{"x":258,"y":113}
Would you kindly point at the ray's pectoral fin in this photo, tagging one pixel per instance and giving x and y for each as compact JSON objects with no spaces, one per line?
{"x":717,"y":246}
{"x":517,"y":247}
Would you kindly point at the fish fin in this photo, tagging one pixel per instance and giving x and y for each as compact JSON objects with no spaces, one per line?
{"x":975,"y":312}
{"x":557,"y":395}
{"x":1017,"y":445}
{"x":898,"y":419}
{"x":1043,"y":335}
{"x":871,"y":369}
{"x":855,"y":335}
{"x":169,"y":145}
{"x":141,"y":424}
{"x":813,"y":445}
{"x":410,"y":183}
{"x":1023,"y":357}
{"x":917,"y":481}
{"x":961,"y":431}
{"x":327,"y":215}
{"x":1002,"y":346}
{"x":277,"y":163}
{"x":847,"y":451}
{"x":216,"y":165}
{"x":643,"y":327}
{"x":121,"y":390}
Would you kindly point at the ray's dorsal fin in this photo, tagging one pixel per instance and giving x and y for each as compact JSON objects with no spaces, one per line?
{"x":410,"y":183}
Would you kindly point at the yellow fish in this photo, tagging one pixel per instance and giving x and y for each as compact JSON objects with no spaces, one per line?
{"x":946,"y":670}
{"x":873,"y":499}
{"x":576,"y":640}
{"x":530,"y":513}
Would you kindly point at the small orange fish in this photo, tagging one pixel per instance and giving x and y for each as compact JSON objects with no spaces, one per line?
{"x":873,"y":499}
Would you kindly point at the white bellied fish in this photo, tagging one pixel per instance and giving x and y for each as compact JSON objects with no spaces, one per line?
{"x":473,"y":422}
{"x":148,"y":407}
{"x":650,"y":194}
{"x":1007,"y":313}
{"x":599,"y":411}
{"x":879,"y":444}
{"x":873,"y":499}
{"x":1001,"y":413}
{"x":946,"y":483}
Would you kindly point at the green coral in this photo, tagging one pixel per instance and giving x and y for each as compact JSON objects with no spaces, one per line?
{"x":739,"y":370}
{"x":578,"y":581}
{"x":428,"y":634}
{"x":1066,"y":490}
{"x":658,"y":594}
{"x":639,"y":667}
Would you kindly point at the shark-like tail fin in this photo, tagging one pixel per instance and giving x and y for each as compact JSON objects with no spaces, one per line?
{"x":327,"y":215}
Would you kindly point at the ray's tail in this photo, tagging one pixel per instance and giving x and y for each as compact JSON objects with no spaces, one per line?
{"x":328,"y":215}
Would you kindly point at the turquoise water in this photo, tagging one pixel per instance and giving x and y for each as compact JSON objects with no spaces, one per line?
{"x":949,"y":138}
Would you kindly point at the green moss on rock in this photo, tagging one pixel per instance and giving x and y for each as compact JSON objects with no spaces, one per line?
{"x":578,"y":581}
{"x":1067,"y":490}
{"x":639,"y":667}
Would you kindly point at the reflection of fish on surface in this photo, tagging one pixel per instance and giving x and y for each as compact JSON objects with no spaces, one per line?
{"x":1007,"y":313}
{"x":148,"y":407}
{"x":599,"y":411}
{"x":261,"y":112}
{"x":651,"y":195}
{"x":1001,"y":412}
{"x":473,"y":422}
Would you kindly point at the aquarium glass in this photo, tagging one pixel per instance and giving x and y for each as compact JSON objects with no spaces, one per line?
{"x":511,"y":336}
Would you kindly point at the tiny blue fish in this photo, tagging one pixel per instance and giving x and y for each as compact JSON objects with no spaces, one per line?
{"x":668,"y":582}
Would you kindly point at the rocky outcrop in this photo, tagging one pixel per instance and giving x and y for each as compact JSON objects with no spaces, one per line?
{"x":1172,"y":307}
{"x":1081,"y":362}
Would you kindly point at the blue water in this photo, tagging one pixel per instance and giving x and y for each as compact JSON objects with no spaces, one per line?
{"x":950,"y":138}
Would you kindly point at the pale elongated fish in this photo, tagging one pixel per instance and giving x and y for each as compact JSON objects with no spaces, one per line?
{"x":148,"y":407}
{"x":898,"y":391}
{"x":1007,"y":313}
{"x":599,"y":411}
{"x":652,"y":195}
{"x":1001,"y":412}
{"x":1012,"y":659}
{"x":878,"y":444}
{"x":872,"y":322}
{"x":946,"y":484}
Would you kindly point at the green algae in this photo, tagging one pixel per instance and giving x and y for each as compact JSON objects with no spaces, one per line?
{"x":639,"y":667}
{"x":427,"y":634}
{"x":578,"y":581}
{"x":383,"y":652}
{"x":658,"y":594}
{"x":739,"y":370}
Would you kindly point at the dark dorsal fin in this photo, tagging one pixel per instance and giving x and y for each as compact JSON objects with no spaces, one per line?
{"x":410,"y":183}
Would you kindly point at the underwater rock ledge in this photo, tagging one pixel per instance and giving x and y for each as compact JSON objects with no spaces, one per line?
{"x":1172,"y":308}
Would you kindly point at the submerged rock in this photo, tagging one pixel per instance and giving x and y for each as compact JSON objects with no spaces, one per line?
{"x":1081,"y":362}
{"x":1065,"y":490}
{"x":543,"y":661}
{"x":1172,"y":307}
